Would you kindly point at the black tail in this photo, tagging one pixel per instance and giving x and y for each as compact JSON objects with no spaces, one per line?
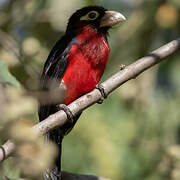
{"x":54,"y":173}
{"x":56,"y":136}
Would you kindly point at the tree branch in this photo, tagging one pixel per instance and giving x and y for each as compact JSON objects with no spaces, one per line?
{"x":71,"y":176}
{"x":129,"y":72}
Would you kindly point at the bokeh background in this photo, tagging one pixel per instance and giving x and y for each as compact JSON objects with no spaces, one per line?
{"x":135,"y":133}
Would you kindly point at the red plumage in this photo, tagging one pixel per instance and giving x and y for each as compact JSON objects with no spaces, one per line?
{"x":86,"y":63}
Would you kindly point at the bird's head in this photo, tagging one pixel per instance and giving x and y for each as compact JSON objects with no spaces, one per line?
{"x":95,"y":16}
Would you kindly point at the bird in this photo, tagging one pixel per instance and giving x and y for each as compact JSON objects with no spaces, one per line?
{"x":74,"y":66}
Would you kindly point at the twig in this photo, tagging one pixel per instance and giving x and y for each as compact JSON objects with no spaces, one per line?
{"x":129,"y":72}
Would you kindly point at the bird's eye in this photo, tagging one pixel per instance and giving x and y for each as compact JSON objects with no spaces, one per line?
{"x":90,"y":16}
{"x":93,"y":15}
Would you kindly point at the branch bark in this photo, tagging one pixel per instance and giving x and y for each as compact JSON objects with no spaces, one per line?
{"x":128,"y":73}
{"x":71,"y":176}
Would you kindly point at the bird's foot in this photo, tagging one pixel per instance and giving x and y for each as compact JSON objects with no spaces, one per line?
{"x":52,"y":175}
{"x":103,"y":93}
{"x":68,"y":112}
{"x":4,"y":152}
{"x":56,"y":176}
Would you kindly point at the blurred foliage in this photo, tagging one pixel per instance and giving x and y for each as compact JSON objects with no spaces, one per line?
{"x":135,"y":134}
{"x":6,"y":77}
{"x":18,"y":112}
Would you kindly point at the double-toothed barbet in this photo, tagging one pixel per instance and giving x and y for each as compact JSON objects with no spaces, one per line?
{"x":76,"y":64}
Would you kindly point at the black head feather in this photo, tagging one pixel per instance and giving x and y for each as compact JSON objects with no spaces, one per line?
{"x":74,"y":20}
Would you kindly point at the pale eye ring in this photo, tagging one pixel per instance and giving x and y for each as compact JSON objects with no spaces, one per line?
{"x":93,"y":15}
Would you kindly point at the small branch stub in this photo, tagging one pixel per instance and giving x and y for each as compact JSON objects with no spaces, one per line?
{"x":122,"y":67}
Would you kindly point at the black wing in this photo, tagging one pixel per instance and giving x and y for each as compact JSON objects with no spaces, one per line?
{"x":53,"y":71}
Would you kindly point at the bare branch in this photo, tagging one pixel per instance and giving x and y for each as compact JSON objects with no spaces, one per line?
{"x":71,"y":176}
{"x":129,"y":72}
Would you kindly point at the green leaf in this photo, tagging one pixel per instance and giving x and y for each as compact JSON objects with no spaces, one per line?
{"x":6,"y":77}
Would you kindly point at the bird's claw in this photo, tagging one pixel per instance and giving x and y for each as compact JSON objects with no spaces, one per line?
{"x":3,"y":151}
{"x":51,"y":175}
{"x":57,"y":176}
{"x":68,"y":112}
{"x":103,"y":93}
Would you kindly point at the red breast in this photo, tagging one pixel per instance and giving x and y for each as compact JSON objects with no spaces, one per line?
{"x":86,"y":63}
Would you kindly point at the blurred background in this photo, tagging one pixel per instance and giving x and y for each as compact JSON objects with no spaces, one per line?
{"x":135,"y":133}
